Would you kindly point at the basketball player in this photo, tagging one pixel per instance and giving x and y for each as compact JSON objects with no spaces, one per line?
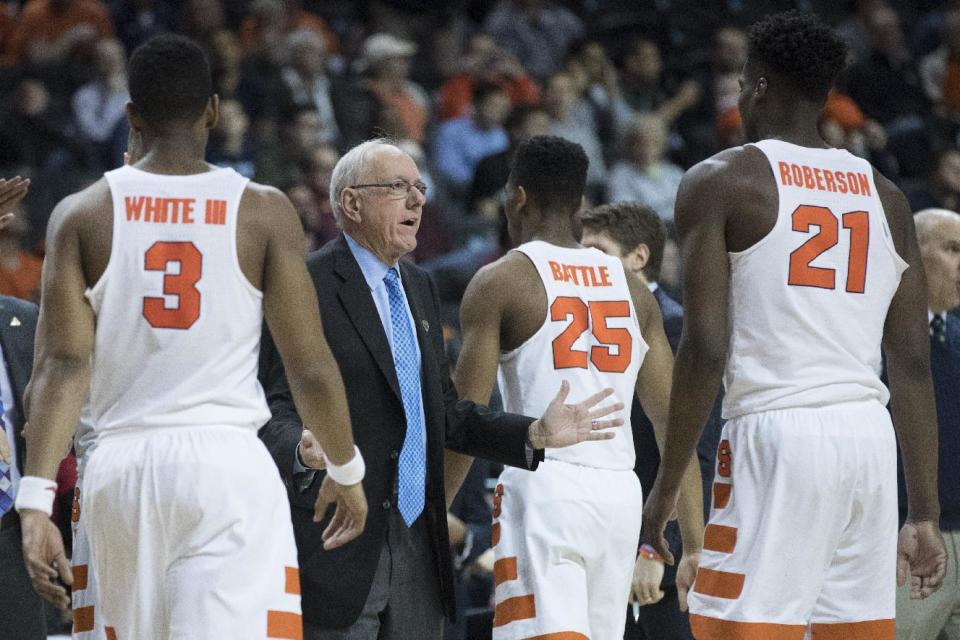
{"x":157,"y":280}
{"x":800,"y":260}
{"x":565,"y":537}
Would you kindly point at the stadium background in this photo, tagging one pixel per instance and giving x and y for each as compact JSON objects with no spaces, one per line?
{"x":648,"y":87}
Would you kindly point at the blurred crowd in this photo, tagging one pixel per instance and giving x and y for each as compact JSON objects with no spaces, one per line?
{"x":647,"y":87}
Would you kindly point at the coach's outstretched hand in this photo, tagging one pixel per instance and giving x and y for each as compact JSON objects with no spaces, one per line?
{"x":45,"y":559}
{"x":563,"y":425}
{"x":349,"y":518}
{"x":921,"y":557}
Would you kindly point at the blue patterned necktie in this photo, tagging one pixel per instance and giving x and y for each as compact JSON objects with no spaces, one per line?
{"x":411,"y":475}
{"x":6,"y":479}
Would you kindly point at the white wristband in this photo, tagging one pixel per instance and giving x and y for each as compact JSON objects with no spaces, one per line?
{"x":350,"y":473}
{"x":36,"y":493}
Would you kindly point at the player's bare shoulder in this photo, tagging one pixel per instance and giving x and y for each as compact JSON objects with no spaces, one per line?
{"x":899,"y":215}
{"x":266,"y":219}
{"x":85,"y":217}
{"x":511,"y":291}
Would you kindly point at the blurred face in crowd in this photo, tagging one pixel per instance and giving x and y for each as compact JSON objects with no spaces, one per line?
{"x":537,"y":123}
{"x":560,"y":95}
{"x":493,"y":110}
{"x":32,"y":98}
{"x":383,"y":219}
{"x":730,"y":53}
{"x":594,"y":61}
{"x":643,"y":63}
{"x":307,"y":54}
{"x":233,"y":122}
{"x":320,"y":169}
{"x":947,"y":176}
{"x":226,"y":50}
{"x":306,"y":131}
{"x":883,"y":23}
{"x":648,"y":141}
{"x":394,"y":68}
{"x":110,"y":58}
{"x":939,"y":236}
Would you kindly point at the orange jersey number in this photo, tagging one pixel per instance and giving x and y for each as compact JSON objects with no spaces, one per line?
{"x":802,"y":274}
{"x":183,"y":285}
{"x":594,"y":315}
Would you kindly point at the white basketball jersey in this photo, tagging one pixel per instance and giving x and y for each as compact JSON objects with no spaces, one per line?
{"x":809,"y":301}
{"x":590,"y":337}
{"x":178,"y":324}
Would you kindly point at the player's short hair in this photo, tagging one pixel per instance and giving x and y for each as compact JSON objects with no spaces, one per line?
{"x":169,"y":78}
{"x":630,"y":224}
{"x":552,"y":171}
{"x":800,"y":48}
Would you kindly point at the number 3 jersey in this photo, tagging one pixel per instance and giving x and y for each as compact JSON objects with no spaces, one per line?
{"x":590,"y":337}
{"x":808,"y":302}
{"x":177,"y":322}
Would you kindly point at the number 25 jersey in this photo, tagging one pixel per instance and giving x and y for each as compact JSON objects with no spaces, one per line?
{"x":177,"y":322}
{"x":590,"y":337}
{"x":809,"y":301}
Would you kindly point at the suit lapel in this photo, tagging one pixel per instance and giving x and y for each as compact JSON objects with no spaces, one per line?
{"x":12,"y":359}
{"x":358,"y":302}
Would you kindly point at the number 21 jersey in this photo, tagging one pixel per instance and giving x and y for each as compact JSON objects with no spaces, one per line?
{"x":177,"y":322}
{"x":808,"y":302}
{"x":590,"y":337}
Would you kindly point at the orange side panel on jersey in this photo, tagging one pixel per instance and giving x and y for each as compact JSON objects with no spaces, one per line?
{"x":83,"y":619}
{"x":79,"y":577}
{"x":512,"y":609}
{"x":495,"y":536}
{"x":720,"y":538}
{"x":283,"y":625}
{"x":504,"y":570}
{"x":721,"y":494}
{"x":561,"y":635}
{"x":705,"y":628}
{"x":293,"y":580}
{"x":111,"y":634}
{"x":867,"y":630}
{"x":719,"y":584}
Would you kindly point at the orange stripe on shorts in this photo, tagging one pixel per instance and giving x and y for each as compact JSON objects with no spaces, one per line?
{"x":705,"y":628}
{"x":721,"y":494}
{"x":512,"y":609}
{"x":80,"y":577}
{"x":83,"y":619}
{"x":504,"y":570}
{"x":111,"y":634}
{"x":867,"y":630}
{"x":561,"y":635}
{"x":717,"y":537}
{"x":495,"y":538}
{"x":283,"y":625}
{"x":293,"y":580}
{"x":719,"y":584}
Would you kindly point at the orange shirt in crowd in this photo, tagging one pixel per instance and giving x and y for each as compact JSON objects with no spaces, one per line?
{"x":456,"y":94}
{"x":24,"y":281}
{"x":410,"y":114}
{"x":249,"y":32}
{"x":39,"y":22}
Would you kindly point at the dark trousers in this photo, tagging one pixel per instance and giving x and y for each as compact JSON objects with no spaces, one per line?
{"x":660,"y":621}
{"x":21,"y":609}
{"x":404,"y":601}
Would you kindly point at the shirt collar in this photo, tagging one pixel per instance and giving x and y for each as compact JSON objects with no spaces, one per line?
{"x":371,"y":266}
{"x":653,"y":286}
{"x":942,"y":314}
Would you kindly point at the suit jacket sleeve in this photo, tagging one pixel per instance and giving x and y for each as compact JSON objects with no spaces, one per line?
{"x":475,"y":430}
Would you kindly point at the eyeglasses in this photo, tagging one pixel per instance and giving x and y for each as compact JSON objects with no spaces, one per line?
{"x":399,"y":188}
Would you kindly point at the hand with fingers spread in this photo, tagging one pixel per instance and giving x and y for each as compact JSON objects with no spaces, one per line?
{"x":921,"y":557}
{"x":350,"y":516}
{"x":563,"y":425}
{"x":647,"y":575}
{"x":686,"y":574}
{"x":44,"y":556}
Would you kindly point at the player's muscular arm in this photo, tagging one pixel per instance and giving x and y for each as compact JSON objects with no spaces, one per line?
{"x":476,"y":372}
{"x":292,"y":314}
{"x":653,"y":388}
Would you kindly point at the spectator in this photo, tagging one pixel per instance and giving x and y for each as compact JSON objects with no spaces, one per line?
{"x":225,"y":64}
{"x":47,"y":31}
{"x":940,"y":70}
{"x":844,"y":126}
{"x":492,"y":172}
{"x":100,"y":106}
{"x":200,"y":20}
{"x":573,"y":118}
{"x":942,"y":190}
{"x":646,"y":176}
{"x":137,"y":21}
{"x":461,"y":143}
{"x":485,"y":61}
{"x":402,"y":103}
{"x":301,"y":133}
{"x":19,"y":269}
{"x":36,"y":134}
{"x":643,"y":87}
{"x":938,"y":234}
{"x":306,"y":78}
{"x":283,"y":17}
{"x":317,"y":170}
{"x":538,"y":32}
{"x":229,"y":144}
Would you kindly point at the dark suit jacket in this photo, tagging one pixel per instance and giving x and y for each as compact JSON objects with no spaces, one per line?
{"x":335,"y":584}
{"x":18,"y":323}
{"x":648,"y":455}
